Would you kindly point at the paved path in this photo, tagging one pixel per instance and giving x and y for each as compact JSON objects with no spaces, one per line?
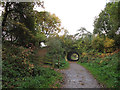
{"x":78,"y":77}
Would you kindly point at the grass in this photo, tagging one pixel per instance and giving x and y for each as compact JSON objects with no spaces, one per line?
{"x":95,"y":72}
{"x":57,"y":64}
{"x":105,"y":70}
{"x":65,"y":65}
{"x":74,"y":58}
{"x":45,"y":80}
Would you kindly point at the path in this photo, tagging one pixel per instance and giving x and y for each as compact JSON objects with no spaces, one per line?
{"x":78,"y":77}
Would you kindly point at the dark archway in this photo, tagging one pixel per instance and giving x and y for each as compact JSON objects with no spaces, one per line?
{"x":69,"y":54}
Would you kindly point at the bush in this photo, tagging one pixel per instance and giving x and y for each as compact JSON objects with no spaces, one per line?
{"x":98,"y":43}
{"x":55,"y":51}
{"x":108,"y":44}
{"x":18,"y":69}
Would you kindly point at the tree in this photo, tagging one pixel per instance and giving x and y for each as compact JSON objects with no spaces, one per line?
{"x":18,"y":23}
{"x":98,"y":43}
{"x":82,"y":32}
{"x":55,"y":50}
{"x":107,"y":23}
{"x":83,"y":40}
{"x":108,"y":44}
{"x":40,"y":37}
{"x":106,"y":19}
{"x":48,"y":23}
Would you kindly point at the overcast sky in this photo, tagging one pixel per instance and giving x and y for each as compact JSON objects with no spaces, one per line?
{"x":75,"y":13}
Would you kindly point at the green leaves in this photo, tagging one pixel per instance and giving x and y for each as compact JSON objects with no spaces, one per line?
{"x":44,"y":79}
{"x":107,"y":22}
{"x":98,"y":43}
{"x":19,"y":22}
{"x":48,"y":23}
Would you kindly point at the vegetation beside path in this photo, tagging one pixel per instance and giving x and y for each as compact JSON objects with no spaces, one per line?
{"x":105,"y":70}
{"x":24,"y":29}
{"x":20,"y":70}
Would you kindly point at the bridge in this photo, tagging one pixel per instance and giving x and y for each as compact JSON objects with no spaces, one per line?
{"x":72,"y":56}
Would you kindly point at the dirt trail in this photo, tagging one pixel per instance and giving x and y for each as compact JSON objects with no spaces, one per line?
{"x":78,"y":77}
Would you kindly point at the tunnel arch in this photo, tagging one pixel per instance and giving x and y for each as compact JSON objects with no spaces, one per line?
{"x":69,"y":54}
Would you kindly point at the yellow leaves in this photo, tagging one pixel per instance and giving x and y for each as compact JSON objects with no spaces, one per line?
{"x":56,"y":18}
{"x":108,"y":42}
{"x":50,"y":22}
{"x":84,"y":54}
{"x":101,"y":61}
{"x":108,"y":54}
{"x":102,"y":55}
{"x":105,"y":54}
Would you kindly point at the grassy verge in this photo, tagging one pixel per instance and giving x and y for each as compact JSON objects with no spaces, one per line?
{"x":65,"y":65}
{"x":105,"y":70}
{"x":95,"y":72}
{"x":47,"y":79}
{"x":61,"y":64}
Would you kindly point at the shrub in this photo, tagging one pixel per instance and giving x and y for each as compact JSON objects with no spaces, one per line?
{"x":108,"y":44}
{"x":19,"y":71}
{"x":98,"y":44}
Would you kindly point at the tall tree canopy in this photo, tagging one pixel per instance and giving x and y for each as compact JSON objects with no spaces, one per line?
{"x":48,"y":23}
{"x":107,"y":23}
{"x":82,"y":32}
{"x":18,"y":23}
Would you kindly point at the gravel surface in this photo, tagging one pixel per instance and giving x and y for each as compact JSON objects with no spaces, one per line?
{"x":78,"y":77}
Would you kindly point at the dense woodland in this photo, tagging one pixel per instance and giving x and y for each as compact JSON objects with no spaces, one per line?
{"x":23,"y":30}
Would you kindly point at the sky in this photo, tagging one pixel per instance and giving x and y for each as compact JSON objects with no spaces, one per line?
{"x":75,"y":14}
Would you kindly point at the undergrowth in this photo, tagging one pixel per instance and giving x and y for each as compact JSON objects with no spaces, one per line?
{"x":105,"y":70}
{"x":19,"y":70}
{"x":56,"y":63}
